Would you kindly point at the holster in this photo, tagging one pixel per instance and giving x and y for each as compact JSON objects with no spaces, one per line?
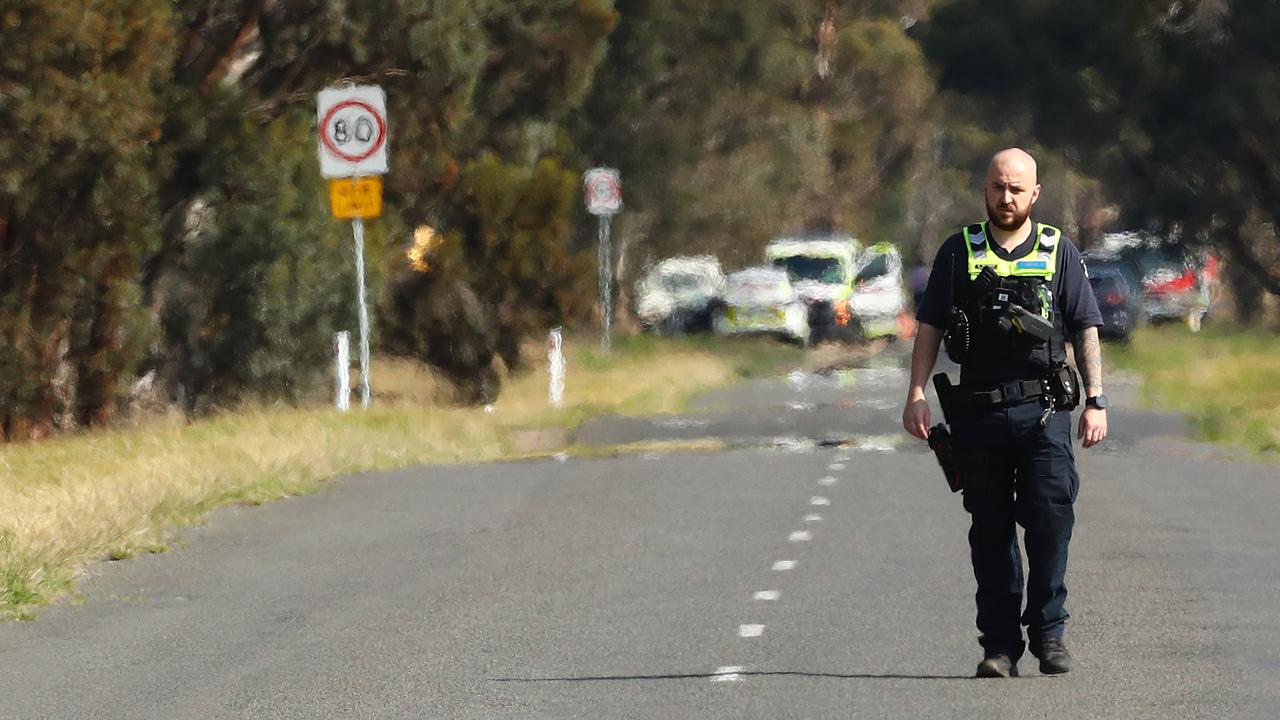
{"x":1063,"y":385}
{"x":944,"y":449}
{"x":940,"y":440}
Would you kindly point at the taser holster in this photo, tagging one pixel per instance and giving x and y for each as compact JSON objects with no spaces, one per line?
{"x":940,"y":440}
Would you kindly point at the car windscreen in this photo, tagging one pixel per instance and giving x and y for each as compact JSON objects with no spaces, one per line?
{"x":878,"y":267}
{"x":812,"y":269}
{"x":682,"y":283}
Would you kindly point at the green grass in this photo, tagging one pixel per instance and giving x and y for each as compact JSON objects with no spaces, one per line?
{"x":75,"y":500}
{"x":1227,"y":382}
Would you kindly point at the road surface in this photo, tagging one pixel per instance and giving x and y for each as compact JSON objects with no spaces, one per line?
{"x":817,"y":568}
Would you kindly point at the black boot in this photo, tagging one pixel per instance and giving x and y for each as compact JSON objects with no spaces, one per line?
{"x":997,"y":665}
{"x":1053,"y":654}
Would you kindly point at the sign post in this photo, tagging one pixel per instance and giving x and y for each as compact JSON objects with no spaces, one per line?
{"x":602,"y":188}
{"x":352,"y":127}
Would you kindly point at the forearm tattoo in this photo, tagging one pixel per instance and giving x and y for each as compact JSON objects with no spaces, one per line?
{"x":1089,"y":358}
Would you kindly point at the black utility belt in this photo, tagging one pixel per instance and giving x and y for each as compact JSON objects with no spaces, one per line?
{"x":1059,"y":389}
{"x":1006,"y":393}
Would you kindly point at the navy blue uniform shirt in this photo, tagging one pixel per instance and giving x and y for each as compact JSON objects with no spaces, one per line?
{"x":1075,"y":300}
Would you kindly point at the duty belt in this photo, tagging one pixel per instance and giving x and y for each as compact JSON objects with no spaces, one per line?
{"x":1007,"y":393}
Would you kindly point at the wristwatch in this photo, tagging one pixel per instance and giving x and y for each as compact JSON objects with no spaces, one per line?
{"x":1097,"y":401}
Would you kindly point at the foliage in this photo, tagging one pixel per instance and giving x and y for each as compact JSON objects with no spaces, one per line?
{"x":1172,"y":105}
{"x":77,"y":212}
{"x":161,"y":211}
{"x":264,"y":279}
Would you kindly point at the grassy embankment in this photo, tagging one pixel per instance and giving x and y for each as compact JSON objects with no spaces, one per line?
{"x":1227,"y":382}
{"x":69,"y":502}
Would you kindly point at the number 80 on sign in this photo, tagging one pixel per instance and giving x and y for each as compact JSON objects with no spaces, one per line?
{"x":352,"y":128}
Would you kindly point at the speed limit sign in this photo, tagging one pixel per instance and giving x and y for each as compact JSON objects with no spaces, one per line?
{"x":352,"y":124}
{"x":602,"y":189}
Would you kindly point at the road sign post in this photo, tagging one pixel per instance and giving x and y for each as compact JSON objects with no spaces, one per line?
{"x":352,"y":127}
{"x":602,"y":188}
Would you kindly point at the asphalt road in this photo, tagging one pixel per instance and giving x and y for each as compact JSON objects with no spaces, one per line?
{"x":787,"y":577}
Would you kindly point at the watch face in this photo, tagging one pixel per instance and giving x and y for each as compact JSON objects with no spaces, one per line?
{"x":1099,"y":402}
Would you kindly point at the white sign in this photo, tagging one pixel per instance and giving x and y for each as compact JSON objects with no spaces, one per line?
{"x":603,"y":190}
{"x":352,"y":124}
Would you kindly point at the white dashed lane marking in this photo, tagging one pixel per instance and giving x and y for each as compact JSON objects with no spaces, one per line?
{"x":813,"y":518}
{"x":784,"y":565}
{"x":835,"y":466}
{"x":727,"y":673}
{"x":800,"y":536}
{"x":818,"y":501}
{"x":750,"y":631}
{"x":766,"y":595}
{"x":827,"y":481}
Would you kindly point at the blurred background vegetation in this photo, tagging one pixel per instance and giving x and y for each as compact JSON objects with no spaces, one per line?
{"x":164,"y":231}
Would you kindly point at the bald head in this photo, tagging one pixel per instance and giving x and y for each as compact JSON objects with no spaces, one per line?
{"x":1013,"y":161}
{"x":1012,"y":188}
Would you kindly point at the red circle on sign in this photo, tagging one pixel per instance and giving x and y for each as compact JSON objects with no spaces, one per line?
{"x":328,"y":141}
{"x":603,"y":190}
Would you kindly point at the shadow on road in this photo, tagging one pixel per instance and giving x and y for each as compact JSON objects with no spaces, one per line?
{"x":744,"y":673}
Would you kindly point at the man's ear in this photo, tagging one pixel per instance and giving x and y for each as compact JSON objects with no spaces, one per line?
{"x":1035,"y":195}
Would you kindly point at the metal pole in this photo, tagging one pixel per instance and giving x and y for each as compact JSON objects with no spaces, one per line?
{"x":606,"y":283}
{"x":357,"y":227}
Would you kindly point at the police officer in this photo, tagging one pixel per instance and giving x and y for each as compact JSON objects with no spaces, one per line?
{"x":1011,"y":434}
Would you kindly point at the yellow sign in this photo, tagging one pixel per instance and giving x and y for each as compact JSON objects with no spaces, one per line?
{"x":359,"y":197}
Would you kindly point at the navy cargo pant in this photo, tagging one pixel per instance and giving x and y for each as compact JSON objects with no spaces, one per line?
{"x":1023,"y":473}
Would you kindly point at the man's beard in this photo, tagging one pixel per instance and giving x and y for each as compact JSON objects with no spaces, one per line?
{"x":1017,"y":222}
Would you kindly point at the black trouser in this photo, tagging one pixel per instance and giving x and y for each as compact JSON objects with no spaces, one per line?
{"x":1024,"y":473}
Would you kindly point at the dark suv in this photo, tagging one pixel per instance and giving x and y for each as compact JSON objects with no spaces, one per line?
{"x":1119,"y":295}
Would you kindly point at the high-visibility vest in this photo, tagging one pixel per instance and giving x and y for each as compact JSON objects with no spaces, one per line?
{"x":1041,"y":262}
{"x":1034,"y":273}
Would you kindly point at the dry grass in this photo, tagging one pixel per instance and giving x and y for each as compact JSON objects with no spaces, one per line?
{"x":1229,"y":383}
{"x":69,"y":502}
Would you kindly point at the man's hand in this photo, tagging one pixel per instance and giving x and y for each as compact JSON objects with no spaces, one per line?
{"x":1093,"y":426}
{"x":915,"y":417}
{"x":924,"y":355}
